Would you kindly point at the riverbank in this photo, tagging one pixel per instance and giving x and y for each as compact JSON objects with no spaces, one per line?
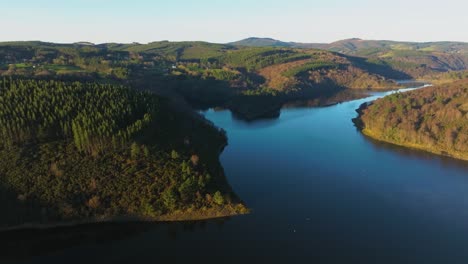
{"x":178,"y":216}
{"x":430,"y":119}
{"x":455,"y":155}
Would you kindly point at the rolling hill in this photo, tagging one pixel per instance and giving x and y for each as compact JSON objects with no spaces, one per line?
{"x":262,"y":42}
{"x":416,"y":59}
{"x":234,"y":76}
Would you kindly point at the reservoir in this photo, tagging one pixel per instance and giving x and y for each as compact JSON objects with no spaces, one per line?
{"x":320,"y":192}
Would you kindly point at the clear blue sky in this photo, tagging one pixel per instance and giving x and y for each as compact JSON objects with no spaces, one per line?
{"x":224,"y":21}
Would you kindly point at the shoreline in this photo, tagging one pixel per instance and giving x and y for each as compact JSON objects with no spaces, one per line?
{"x":192,"y":216}
{"x":438,"y":152}
{"x":274,"y":110}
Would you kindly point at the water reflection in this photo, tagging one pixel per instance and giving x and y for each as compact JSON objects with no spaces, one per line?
{"x":24,"y":244}
{"x":417,"y":154}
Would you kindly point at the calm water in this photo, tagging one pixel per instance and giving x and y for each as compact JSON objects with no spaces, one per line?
{"x":320,"y":193}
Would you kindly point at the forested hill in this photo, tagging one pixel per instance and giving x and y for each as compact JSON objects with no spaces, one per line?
{"x":204,"y":74}
{"x":72,"y":151}
{"x":239,"y":66}
{"x":433,"y":119}
{"x":251,"y":81}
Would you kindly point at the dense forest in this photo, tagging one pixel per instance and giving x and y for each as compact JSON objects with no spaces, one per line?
{"x":82,"y":150}
{"x":434,"y":119}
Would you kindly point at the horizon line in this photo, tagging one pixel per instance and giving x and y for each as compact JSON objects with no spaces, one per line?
{"x":226,"y":43}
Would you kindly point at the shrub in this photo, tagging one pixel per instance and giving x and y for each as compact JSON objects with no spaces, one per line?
{"x":218,"y":198}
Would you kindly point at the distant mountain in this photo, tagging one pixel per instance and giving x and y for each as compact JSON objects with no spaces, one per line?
{"x":84,"y":43}
{"x":262,"y":42}
{"x":269,"y":42}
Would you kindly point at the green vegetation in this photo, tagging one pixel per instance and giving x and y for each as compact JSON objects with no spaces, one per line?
{"x":95,"y":116}
{"x":446,"y":77}
{"x":311,"y":66}
{"x":434,"y":119}
{"x":223,"y":75}
{"x":208,"y":75}
{"x":257,"y":58}
{"x":88,"y":151}
{"x":87,"y":144}
{"x":414,"y":59}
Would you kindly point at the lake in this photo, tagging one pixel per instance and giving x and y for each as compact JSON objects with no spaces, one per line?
{"x":320,"y":192}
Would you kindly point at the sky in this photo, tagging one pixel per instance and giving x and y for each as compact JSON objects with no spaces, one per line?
{"x":143,"y":21}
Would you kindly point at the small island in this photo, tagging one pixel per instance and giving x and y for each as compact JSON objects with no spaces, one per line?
{"x":433,"y":119}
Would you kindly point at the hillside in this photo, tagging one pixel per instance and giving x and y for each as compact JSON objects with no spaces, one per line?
{"x":360,"y":46}
{"x":92,"y":152}
{"x":415,"y":59}
{"x":433,"y":119}
{"x":205,"y":74}
{"x":191,"y":59}
{"x":252,"y":81}
{"x":418,"y":60}
{"x":357,"y":46}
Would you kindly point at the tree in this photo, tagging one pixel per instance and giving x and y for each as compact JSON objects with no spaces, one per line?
{"x":169,"y":198}
{"x":134,"y":150}
{"x":194,"y":159}
{"x":174,"y":154}
{"x":188,"y":189}
{"x":218,"y":198}
{"x":146,"y":152}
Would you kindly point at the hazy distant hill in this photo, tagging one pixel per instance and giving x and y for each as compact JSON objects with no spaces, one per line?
{"x":366,"y":47}
{"x":262,"y":42}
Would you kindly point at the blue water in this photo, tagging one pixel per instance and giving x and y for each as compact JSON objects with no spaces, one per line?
{"x":320,"y":192}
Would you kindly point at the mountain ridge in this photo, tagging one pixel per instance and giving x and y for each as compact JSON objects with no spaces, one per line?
{"x":357,"y":42}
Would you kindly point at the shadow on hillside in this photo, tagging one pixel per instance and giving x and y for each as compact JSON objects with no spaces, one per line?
{"x":199,"y":93}
{"x":379,"y":68}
